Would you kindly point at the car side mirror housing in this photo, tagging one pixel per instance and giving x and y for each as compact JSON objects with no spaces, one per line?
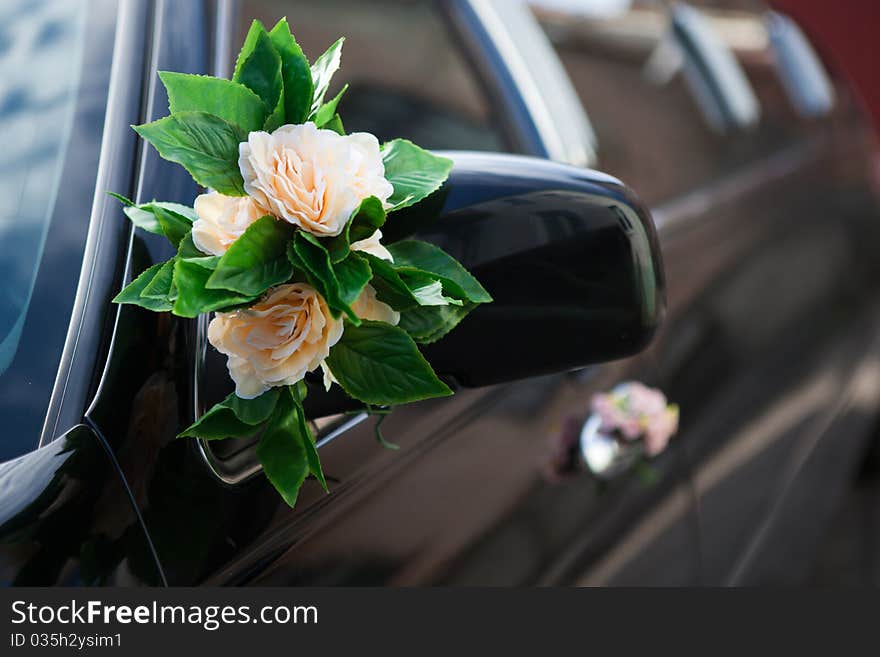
{"x":569,"y":255}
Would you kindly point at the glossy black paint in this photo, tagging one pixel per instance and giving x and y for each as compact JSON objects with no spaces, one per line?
{"x":768,"y":345}
{"x":569,"y":256}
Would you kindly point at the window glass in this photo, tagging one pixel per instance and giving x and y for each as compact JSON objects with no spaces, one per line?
{"x":407,"y":77}
{"x":651,"y":132}
{"x":53,"y":84}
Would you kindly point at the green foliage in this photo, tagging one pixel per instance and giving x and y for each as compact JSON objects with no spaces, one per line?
{"x":295,"y":70}
{"x":203,"y":144}
{"x":133,"y":292}
{"x":234,"y":417}
{"x":369,"y":217}
{"x":255,"y":261}
{"x":413,"y":172}
{"x":258,"y":67}
{"x":427,"y":324}
{"x":339,"y":283}
{"x":231,"y":101}
{"x":322,"y":72}
{"x":415,"y":256}
{"x":380,"y":364}
{"x":282,"y":450}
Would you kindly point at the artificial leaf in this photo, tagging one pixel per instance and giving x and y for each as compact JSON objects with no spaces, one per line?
{"x":160,"y":287}
{"x":143,"y":219}
{"x":132,"y":292}
{"x":204,"y":144}
{"x":352,"y":275}
{"x":322,"y":72}
{"x":327,"y":111}
{"x":295,"y":71}
{"x":194,"y":298}
{"x":234,"y":417}
{"x":174,"y":226}
{"x":428,"y":291}
{"x":412,"y":171}
{"x":308,"y":254}
{"x":427,"y":324}
{"x":183,"y":210}
{"x":414,"y":255}
{"x":257,"y":260}
{"x":276,"y":119}
{"x":282,"y":451}
{"x":253,"y":411}
{"x":335,"y":124}
{"x":389,"y":286}
{"x":259,"y":66}
{"x":188,"y":251}
{"x":231,"y":101}
{"x":298,"y":392}
{"x":369,"y":217}
{"x":380,"y":364}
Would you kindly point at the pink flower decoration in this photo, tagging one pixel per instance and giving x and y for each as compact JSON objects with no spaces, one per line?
{"x":636,"y":412}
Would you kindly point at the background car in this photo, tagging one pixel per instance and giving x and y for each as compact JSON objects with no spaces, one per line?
{"x":762,"y":194}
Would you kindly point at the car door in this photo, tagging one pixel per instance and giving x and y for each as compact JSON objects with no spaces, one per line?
{"x":767,"y":231}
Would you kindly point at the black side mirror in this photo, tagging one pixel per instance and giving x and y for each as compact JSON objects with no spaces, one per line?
{"x":569,"y":255}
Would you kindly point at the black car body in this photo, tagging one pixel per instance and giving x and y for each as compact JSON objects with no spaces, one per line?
{"x":768,"y":234}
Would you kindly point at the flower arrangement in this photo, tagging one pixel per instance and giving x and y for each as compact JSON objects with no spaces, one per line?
{"x":285,"y":248}
{"x":634,"y":412}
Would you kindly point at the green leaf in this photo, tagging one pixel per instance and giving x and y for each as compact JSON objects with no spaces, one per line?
{"x":231,"y":101}
{"x":335,"y":124}
{"x":352,"y":275}
{"x":204,"y":144}
{"x":254,"y":411}
{"x":160,"y":287}
{"x":255,"y":261}
{"x":175,"y":226}
{"x":298,"y":392}
{"x":308,"y":254}
{"x":369,"y":217}
{"x":188,"y":251}
{"x":380,"y":364}
{"x":427,"y":324}
{"x":219,"y":423}
{"x":322,"y":72}
{"x":143,"y":219}
{"x":412,"y":171}
{"x":295,"y":71}
{"x":234,"y":417}
{"x":259,"y":66}
{"x":194,"y":298}
{"x":276,"y":119}
{"x":282,"y":451}
{"x":408,"y":287}
{"x":183,"y":210}
{"x":327,"y":111}
{"x":414,"y":255}
{"x":132,"y":292}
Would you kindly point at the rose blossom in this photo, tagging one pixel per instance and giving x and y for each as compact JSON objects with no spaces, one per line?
{"x":221,"y":220}
{"x":637,"y":411}
{"x":310,"y":177}
{"x":277,"y":340}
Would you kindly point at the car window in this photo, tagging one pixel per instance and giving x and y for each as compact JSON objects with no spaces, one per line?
{"x":407,"y":77}
{"x":54,"y":68}
{"x":651,"y":131}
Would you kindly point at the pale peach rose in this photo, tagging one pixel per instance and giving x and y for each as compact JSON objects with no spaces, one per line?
{"x":221,"y":220}
{"x":310,"y":177}
{"x":277,"y":340}
{"x":366,"y":306}
{"x":373,"y":246}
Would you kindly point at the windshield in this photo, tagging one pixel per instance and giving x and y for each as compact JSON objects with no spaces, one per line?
{"x":54,"y":70}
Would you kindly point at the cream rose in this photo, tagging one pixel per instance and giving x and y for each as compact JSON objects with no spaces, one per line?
{"x":312,"y":178}
{"x":277,"y":340}
{"x":221,"y":220}
{"x":366,"y":306}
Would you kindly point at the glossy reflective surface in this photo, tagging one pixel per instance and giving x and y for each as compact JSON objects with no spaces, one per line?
{"x":54,"y":65}
{"x":769,"y":244}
